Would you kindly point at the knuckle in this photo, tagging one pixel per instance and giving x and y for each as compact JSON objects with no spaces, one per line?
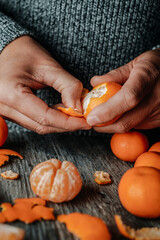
{"x":41,"y":130}
{"x":132,"y":97}
{"x":42,"y":121}
{"x":124,"y":126}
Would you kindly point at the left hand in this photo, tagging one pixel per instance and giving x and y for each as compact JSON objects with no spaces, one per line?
{"x":138,"y":100}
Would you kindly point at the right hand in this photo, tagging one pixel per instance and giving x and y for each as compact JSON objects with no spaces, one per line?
{"x":25,"y":65}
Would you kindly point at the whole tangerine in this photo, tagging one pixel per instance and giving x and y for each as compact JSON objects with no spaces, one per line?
{"x":129,"y":146}
{"x":98,"y":95}
{"x":139,"y":192}
{"x":3,"y":131}
{"x":149,"y":159}
{"x":155,"y":147}
{"x":55,"y":181}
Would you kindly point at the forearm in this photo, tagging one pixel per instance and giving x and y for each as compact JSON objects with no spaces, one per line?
{"x":10,"y":30}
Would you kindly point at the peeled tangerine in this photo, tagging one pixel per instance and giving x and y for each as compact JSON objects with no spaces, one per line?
{"x":55,"y":181}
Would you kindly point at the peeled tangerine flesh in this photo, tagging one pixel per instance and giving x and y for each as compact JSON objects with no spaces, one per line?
{"x":55,"y":180}
{"x":139,"y":234}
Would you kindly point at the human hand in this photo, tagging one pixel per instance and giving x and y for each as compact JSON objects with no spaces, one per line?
{"x":25,"y":65}
{"x":138,"y":100}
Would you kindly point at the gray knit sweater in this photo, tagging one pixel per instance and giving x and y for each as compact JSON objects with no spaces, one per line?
{"x":88,"y":37}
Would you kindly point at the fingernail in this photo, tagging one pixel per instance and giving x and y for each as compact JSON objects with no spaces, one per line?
{"x":92,"y":120}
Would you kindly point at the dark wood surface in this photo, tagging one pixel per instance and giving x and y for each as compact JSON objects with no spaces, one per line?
{"x":88,"y":153}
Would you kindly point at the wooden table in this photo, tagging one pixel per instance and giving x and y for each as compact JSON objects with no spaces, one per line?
{"x":88,"y":153}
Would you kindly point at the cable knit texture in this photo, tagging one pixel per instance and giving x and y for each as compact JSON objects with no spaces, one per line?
{"x":88,"y":37}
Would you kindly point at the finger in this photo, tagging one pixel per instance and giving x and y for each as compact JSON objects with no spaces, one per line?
{"x":139,"y":83}
{"x":55,"y":76}
{"x":134,"y":118}
{"x":119,"y":75}
{"x":16,"y":117}
{"x":37,"y":110}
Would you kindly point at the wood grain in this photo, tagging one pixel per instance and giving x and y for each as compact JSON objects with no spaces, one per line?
{"x":88,"y":153}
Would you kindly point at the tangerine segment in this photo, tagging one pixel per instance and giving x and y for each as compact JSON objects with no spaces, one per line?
{"x":3,"y":159}
{"x":3,"y":131}
{"x":56,"y":181}
{"x":139,"y":191}
{"x":129,"y":146}
{"x":74,"y":179}
{"x":98,"y":95}
{"x":139,"y":234}
{"x":85,"y":227}
{"x":10,"y":175}
{"x":70,"y":111}
{"x":8,"y":232}
{"x":149,"y":159}
{"x":155,"y":147}
{"x":11,"y":153}
{"x":41,"y":179}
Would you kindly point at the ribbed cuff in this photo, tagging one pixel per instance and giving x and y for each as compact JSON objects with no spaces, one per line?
{"x":10,"y":30}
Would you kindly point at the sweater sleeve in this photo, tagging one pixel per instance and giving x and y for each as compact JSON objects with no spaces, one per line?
{"x":10,"y":30}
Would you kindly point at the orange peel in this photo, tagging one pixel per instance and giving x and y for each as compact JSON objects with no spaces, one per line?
{"x":34,"y":201}
{"x":102,"y":177}
{"x":139,"y":234}
{"x":99,"y":95}
{"x":10,"y":153}
{"x":70,"y":111}
{"x":26,"y":211}
{"x":89,"y":100}
{"x":43,"y":212}
{"x":85,"y":227}
{"x":10,"y":175}
{"x":8,"y":232}
{"x":3,"y":159}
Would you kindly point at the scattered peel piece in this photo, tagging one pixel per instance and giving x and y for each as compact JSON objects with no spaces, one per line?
{"x":102,"y":177}
{"x":70,"y":111}
{"x":10,"y":153}
{"x":44,"y":212}
{"x":3,"y":159}
{"x":10,"y":175}
{"x":26,"y":211}
{"x":139,"y":234}
{"x":35,"y":201}
{"x":8,"y":232}
{"x":85,"y":227}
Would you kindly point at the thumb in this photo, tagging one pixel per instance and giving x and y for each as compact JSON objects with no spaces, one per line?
{"x":55,"y":76}
{"x":118,"y":75}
